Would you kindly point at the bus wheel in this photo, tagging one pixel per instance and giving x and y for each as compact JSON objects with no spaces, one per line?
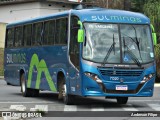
{"x":122,"y":100}
{"x":60,"y":89}
{"x":68,"y":99}
{"x":26,"y":92}
{"x":8,"y":83}
{"x":34,"y":92}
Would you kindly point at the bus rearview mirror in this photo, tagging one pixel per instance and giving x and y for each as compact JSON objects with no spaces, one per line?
{"x":154,"y":38}
{"x":154,"y":35}
{"x":80,"y":35}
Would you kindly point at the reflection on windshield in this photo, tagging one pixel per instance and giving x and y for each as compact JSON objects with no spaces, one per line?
{"x":128,"y":52}
{"x":98,"y":42}
{"x":138,"y":39}
{"x":112,"y":47}
{"x":99,"y":39}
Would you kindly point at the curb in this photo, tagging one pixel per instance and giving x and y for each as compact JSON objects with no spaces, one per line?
{"x":1,"y":77}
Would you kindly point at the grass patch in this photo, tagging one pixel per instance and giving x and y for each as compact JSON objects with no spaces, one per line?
{"x":1,"y":61}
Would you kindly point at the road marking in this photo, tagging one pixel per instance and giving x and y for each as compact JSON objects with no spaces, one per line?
{"x":18,"y":107}
{"x":155,"y":106}
{"x":97,"y":108}
{"x":42,"y":108}
{"x":9,"y":102}
{"x":70,"y":108}
{"x":157,"y":85}
{"x":129,"y":107}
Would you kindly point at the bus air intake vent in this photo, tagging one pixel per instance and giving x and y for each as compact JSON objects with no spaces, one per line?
{"x":120,"y":72}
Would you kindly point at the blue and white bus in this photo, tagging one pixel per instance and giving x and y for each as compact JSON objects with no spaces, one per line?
{"x":88,"y":52}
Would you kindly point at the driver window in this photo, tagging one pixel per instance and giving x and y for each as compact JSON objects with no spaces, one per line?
{"x":74,"y":45}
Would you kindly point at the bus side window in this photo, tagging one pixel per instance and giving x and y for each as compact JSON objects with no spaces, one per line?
{"x":49,"y":32}
{"x":18,"y":36}
{"x":61,"y":31}
{"x":37,"y":34}
{"x":74,"y":45}
{"x":27,"y":35}
{"x":10,"y":37}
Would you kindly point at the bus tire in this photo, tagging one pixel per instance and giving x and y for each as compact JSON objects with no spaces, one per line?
{"x":60,"y":90}
{"x":122,"y":100}
{"x":67,"y":98}
{"x":8,"y":83}
{"x":35,"y":92}
{"x":26,"y":92}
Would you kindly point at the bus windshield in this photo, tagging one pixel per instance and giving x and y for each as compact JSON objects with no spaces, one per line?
{"x":118,"y":43}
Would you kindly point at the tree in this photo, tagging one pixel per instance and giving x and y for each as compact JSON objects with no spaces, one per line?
{"x":152,"y":10}
{"x":114,"y":4}
{"x":127,"y":4}
{"x":137,"y":5}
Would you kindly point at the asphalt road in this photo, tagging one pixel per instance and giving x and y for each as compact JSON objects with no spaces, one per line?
{"x":89,"y":108}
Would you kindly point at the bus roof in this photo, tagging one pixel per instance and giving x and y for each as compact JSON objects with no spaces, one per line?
{"x":112,"y":16}
{"x":94,"y":15}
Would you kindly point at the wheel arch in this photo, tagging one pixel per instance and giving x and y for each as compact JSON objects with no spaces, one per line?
{"x":22,"y":71}
{"x":60,"y":76}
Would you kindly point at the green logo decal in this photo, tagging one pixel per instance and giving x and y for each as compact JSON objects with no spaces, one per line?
{"x":41,"y":67}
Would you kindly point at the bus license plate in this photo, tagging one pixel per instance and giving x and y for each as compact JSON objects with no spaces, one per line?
{"x":121,"y":87}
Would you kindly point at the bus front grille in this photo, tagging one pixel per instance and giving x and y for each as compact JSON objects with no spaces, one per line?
{"x":121,"y":72}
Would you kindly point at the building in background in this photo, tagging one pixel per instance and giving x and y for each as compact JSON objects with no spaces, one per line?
{"x":16,"y":10}
{"x":2,"y":39}
{"x":2,"y":34}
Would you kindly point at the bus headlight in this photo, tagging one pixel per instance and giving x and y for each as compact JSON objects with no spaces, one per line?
{"x":147,"y":77}
{"x":93,"y":76}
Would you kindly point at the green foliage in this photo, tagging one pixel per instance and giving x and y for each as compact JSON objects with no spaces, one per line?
{"x":157,"y":54}
{"x":137,"y":5}
{"x":152,"y":10}
{"x":113,"y":4}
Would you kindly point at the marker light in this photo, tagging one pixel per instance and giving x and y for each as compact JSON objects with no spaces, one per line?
{"x":147,"y":77}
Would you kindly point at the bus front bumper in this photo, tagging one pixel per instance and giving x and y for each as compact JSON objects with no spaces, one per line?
{"x":138,"y":90}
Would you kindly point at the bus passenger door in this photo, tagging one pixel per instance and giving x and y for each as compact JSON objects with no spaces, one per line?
{"x":74,"y":47}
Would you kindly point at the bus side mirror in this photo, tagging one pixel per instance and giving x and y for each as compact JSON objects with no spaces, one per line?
{"x":80,"y":35}
{"x":80,"y":32}
{"x":154,"y":38}
{"x":154,"y":35}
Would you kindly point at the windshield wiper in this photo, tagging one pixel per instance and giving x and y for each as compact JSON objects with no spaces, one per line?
{"x":136,"y":41}
{"x":112,"y":47}
{"x":133,"y":57}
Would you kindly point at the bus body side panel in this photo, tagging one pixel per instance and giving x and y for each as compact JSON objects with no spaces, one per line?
{"x":44,"y":64}
{"x":14,"y":61}
{"x":41,"y":66}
